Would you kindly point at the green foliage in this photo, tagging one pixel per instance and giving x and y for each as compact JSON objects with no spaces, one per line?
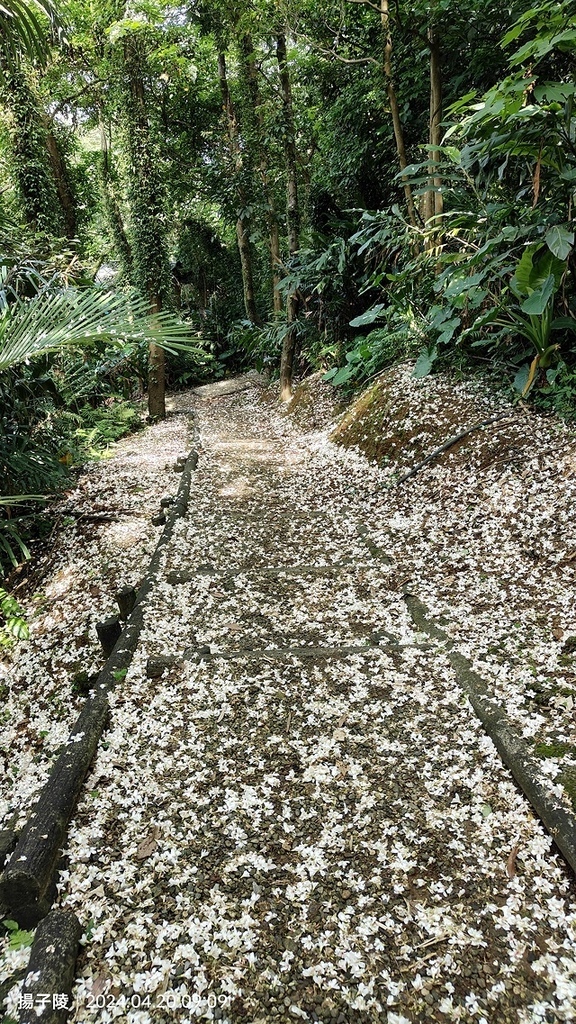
{"x":250,"y":345}
{"x":23,"y":32}
{"x":149,"y":269}
{"x":100,"y":427}
{"x":72,"y":318}
{"x":556,"y":749}
{"x":396,"y":341}
{"x":489,"y":282}
{"x":13,"y":625}
{"x":491,"y":276}
{"x":28,"y":156}
{"x":19,"y":938}
{"x":45,"y":420}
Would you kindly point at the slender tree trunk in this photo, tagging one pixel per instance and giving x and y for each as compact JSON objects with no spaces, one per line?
{"x":150,"y":268}
{"x":243,"y":221}
{"x":395,"y":110}
{"x":62,"y":182}
{"x":434,"y":202}
{"x":245,"y":251}
{"x":293,"y":217}
{"x":111,"y":208}
{"x":156,"y":373}
{"x":276,"y":261}
{"x":248,"y":67}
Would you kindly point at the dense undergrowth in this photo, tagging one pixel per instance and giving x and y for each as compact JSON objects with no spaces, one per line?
{"x":277,"y":216}
{"x":485,"y":285}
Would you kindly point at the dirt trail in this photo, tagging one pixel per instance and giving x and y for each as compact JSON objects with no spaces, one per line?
{"x":302,"y":818}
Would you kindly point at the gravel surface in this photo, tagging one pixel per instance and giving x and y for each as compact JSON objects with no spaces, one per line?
{"x":302,"y":818}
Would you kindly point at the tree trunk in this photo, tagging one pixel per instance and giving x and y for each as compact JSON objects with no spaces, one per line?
{"x":293,"y":217}
{"x":275,"y":259}
{"x":151,"y":273}
{"x":395,"y":110}
{"x":435,"y":203}
{"x":62,"y":181}
{"x":30,"y":160}
{"x":156,"y":375}
{"x":243,"y":221}
{"x":111,"y":208}
{"x":248,"y":68}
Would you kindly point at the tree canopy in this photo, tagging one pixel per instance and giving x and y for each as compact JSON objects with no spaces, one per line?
{"x":289,"y":186}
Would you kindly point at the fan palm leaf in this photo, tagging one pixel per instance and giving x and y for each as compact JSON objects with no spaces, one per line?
{"x":72,"y":318}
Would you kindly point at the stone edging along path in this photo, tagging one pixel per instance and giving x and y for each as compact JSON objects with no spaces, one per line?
{"x":515,"y":752}
{"x":28,"y":883}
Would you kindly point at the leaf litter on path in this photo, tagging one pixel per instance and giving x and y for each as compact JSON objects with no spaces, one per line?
{"x":307,"y":838}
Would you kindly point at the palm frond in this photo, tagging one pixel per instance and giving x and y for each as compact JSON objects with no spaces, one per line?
{"x":21,"y":499}
{"x":23,"y":31}
{"x":74,"y":318}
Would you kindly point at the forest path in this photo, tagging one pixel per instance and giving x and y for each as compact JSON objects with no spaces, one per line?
{"x":302,"y":818}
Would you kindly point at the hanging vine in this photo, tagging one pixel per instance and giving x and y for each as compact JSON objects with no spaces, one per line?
{"x":111,"y":207}
{"x":29,"y":157}
{"x":150,"y":271}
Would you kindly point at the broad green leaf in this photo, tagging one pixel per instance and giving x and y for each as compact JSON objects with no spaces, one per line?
{"x":521,"y":378}
{"x":424,"y":362}
{"x":462,"y":283}
{"x":18,"y":628}
{"x":537,"y":302}
{"x":448,"y":332}
{"x":559,"y":240}
{"x":20,"y":939}
{"x":554,"y":92}
{"x":563,"y":323}
{"x":368,"y":317}
{"x":530,"y":274}
{"x":563,"y":38}
{"x":342,"y":376}
{"x":546,"y":265}
{"x":531,"y":49}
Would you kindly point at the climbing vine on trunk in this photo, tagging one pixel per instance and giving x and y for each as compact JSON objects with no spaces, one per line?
{"x":146,"y":201}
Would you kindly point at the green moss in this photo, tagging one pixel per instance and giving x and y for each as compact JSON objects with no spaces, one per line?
{"x":568,"y":780}
{"x":554,"y":749}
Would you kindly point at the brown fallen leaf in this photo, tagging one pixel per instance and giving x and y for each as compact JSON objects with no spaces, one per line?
{"x":148,"y":846}
{"x":511,"y":862}
{"x":99,"y":985}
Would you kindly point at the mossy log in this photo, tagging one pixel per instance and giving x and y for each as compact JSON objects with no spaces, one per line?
{"x":109,"y":633}
{"x":515,"y":752}
{"x":125,"y":599}
{"x":27,"y":883}
{"x":8,"y":839}
{"x":51,"y":969}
